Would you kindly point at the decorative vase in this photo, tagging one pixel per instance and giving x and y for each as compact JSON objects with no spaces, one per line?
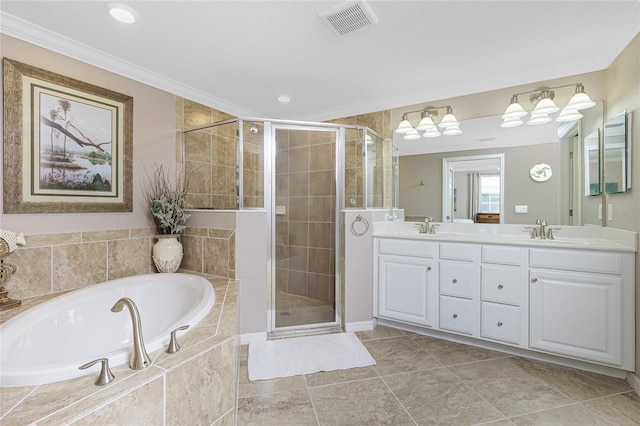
{"x":167,"y":253}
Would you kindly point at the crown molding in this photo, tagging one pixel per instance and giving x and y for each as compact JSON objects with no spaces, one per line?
{"x":18,"y":28}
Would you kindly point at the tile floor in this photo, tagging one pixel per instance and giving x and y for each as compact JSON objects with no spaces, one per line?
{"x":421,"y":380}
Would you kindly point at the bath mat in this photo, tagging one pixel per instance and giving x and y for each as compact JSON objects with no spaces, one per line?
{"x":306,"y":355}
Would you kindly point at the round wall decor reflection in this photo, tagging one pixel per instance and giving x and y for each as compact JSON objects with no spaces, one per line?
{"x":540,"y":172}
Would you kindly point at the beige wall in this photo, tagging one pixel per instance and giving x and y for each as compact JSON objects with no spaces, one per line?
{"x":153,"y":141}
{"x":623,"y":92}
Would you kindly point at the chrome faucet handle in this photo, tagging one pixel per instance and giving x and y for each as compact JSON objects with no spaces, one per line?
{"x":432,"y":228}
{"x":105,"y":376}
{"x":550,"y":233}
{"x":173,"y":342}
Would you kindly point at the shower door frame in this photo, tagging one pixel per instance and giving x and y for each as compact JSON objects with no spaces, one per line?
{"x":270,"y":205}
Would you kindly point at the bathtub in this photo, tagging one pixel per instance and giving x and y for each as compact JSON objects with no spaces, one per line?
{"x":48,"y":342}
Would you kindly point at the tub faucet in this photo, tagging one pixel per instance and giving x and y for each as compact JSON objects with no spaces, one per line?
{"x":139,"y":358}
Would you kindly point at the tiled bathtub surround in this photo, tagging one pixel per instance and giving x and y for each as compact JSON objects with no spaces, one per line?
{"x":209,"y":251}
{"x":53,"y":263}
{"x":197,"y":385}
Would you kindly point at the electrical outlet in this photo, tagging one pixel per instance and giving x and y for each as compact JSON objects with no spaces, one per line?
{"x":600,"y":211}
{"x":609,"y":211}
{"x":522,"y":209}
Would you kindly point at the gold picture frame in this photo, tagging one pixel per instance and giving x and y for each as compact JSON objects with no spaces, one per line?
{"x":68,"y":145}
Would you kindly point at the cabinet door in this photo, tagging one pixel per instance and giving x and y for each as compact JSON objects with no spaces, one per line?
{"x":407,"y":289}
{"x":576,"y":314}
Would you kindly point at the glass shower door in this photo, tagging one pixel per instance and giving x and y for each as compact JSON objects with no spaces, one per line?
{"x":303,"y":212}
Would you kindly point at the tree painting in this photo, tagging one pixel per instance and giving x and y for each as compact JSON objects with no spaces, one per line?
{"x":78,"y":153}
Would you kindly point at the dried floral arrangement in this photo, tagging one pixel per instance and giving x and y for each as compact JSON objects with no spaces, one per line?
{"x":167,"y":203}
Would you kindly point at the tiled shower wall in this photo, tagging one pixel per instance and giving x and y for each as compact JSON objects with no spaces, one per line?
{"x":210,"y":156}
{"x":305,"y":188}
{"x":379,"y":122}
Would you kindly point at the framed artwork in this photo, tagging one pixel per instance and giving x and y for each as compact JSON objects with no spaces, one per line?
{"x":68,"y":145}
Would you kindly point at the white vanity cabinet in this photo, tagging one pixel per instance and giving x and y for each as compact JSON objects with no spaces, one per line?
{"x":459,"y":288}
{"x":576,"y":303}
{"x":503,"y":294}
{"x":582,"y":304}
{"x":407,"y":277}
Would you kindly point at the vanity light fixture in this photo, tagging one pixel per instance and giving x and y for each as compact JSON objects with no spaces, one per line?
{"x":542,"y":98}
{"x":449,"y":124}
{"x":121,"y":12}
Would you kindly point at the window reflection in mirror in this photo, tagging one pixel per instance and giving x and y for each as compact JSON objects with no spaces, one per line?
{"x":592,"y":163}
{"x":615,"y":155}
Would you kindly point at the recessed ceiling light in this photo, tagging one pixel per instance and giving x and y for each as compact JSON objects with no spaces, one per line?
{"x":121,"y":12}
{"x":284,"y":99}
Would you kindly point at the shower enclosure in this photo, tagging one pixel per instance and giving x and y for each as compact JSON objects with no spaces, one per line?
{"x":303,"y":174}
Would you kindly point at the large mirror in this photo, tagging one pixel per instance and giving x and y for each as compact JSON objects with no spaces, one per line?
{"x":616,"y":156}
{"x":558,"y":200}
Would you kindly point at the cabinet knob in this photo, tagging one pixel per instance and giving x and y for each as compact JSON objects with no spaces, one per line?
{"x":428,"y":268}
{"x":454,"y":280}
{"x":454,"y":316}
{"x":534,"y":280}
{"x":500,"y":286}
{"x":499,"y":323}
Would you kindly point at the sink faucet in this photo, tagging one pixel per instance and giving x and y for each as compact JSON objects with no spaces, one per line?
{"x":139,"y":359}
{"x":541,"y":232}
{"x":425,"y":228}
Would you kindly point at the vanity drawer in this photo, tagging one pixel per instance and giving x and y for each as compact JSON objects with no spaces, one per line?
{"x":501,"y":284}
{"x":574,"y":260}
{"x":457,"y":314}
{"x":503,"y":255}
{"x":456,"y":279}
{"x":407,"y":247}
{"x":501,"y":322}
{"x":455,"y":251}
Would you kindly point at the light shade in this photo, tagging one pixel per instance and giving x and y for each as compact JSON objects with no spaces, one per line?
{"x":512,"y":122}
{"x":449,"y":120}
{"x":411,"y":135}
{"x":426,"y":124}
{"x":545,"y":106}
{"x":514,"y":110}
{"x":122,"y":12}
{"x":580,"y":100}
{"x":431,"y":133}
{"x":538,"y":118}
{"x":404,"y":126}
{"x":452,"y":131}
{"x":568,"y":114}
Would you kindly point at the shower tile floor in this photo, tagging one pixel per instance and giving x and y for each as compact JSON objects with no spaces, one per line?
{"x":292,"y":309}
{"x":421,"y":380}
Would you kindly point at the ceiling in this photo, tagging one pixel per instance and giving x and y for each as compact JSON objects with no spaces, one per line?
{"x":239,"y":56}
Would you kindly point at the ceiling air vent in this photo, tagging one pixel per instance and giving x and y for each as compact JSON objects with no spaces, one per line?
{"x":349,"y":17}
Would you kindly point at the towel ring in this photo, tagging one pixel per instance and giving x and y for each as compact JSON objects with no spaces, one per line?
{"x":359,"y":219}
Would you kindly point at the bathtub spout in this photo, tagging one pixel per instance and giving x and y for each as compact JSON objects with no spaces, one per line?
{"x":139,"y":358}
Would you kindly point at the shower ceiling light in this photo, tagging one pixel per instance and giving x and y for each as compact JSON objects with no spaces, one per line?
{"x":121,"y":12}
{"x":428,"y":116}
{"x":543,"y":100}
{"x":284,"y":99}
